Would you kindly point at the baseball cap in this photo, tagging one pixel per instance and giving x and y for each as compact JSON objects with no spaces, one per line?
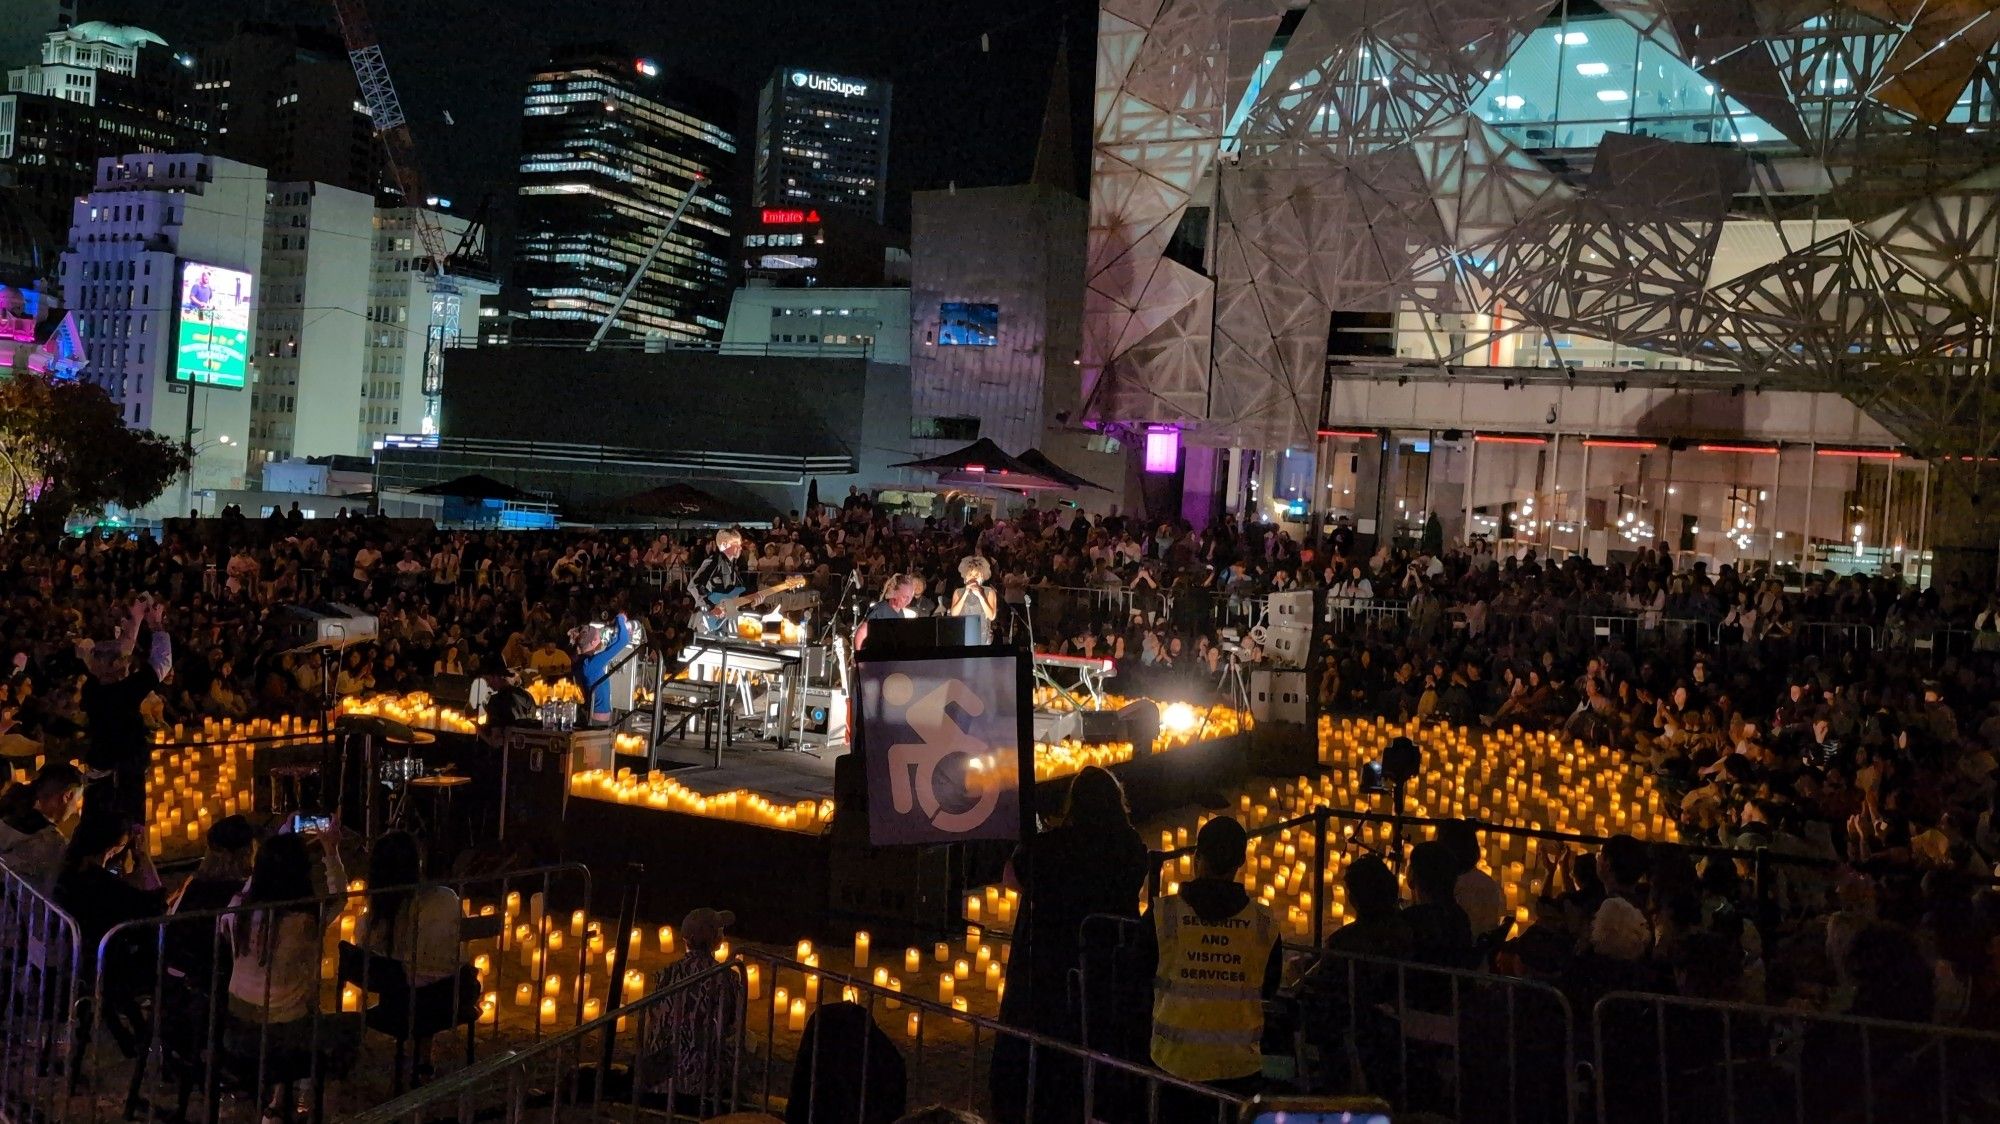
{"x":704,"y":926}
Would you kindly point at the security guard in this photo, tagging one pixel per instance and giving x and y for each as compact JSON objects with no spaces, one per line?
{"x":1218,"y":962}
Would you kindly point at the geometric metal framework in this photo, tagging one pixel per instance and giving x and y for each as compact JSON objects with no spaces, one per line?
{"x":1261,"y":168}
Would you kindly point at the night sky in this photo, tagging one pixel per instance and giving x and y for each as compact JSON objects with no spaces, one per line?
{"x":961,"y":113}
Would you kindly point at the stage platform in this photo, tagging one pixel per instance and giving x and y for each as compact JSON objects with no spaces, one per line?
{"x":781,"y":776}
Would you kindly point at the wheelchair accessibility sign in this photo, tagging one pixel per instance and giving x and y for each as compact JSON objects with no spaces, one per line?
{"x":941,"y":742}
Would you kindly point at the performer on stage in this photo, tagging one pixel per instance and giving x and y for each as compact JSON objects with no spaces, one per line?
{"x":718,"y":578}
{"x":975,"y":598}
{"x":598,"y":645}
{"x":897,"y":593}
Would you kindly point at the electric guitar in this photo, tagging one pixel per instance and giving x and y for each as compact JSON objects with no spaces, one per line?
{"x":720,"y":619}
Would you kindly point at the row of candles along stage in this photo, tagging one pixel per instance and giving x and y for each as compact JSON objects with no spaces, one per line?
{"x":534,"y":939}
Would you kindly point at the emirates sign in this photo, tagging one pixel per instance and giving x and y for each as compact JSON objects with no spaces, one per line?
{"x":789,"y":216}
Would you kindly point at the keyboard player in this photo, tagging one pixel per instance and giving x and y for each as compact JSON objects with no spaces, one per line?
{"x":897,"y":594}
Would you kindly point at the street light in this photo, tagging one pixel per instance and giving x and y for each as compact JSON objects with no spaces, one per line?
{"x":194,"y":452}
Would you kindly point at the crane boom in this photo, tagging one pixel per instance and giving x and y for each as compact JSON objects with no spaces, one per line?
{"x":371,"y":72}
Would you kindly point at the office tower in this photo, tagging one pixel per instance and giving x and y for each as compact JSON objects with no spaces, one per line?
{"x":162,"y":276}
{"x":408,"y":319}
{"x":822,"y":140}
{"x":609,"y":149}
{"x":284,"y":98}
{"x":97,"y":89}
{"x":311,"y":327}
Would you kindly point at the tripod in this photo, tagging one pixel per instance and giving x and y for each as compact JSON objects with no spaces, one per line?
{"x":1235,"y":690}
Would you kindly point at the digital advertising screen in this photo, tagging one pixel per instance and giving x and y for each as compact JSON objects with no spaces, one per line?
{"x":968,"y":325}
{"x":212,"y":338}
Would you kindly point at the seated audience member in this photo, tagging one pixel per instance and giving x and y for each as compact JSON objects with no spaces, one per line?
{"x":31,"y":815}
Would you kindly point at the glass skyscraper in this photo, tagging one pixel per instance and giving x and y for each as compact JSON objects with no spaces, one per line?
{"x":609,"y":149}
{"x":822,"y":139}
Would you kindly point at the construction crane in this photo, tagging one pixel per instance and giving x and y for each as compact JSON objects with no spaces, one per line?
{"x":378,"y":92}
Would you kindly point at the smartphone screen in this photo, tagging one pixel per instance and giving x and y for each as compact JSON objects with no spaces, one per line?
{"x":303,"y":823}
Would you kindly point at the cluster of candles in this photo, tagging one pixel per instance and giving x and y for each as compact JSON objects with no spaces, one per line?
{"x":662,"y":791}
{"x":192,"y":787}
{"x":416,"y":710}
{"x":546,"y":691}
{"x":287,"y":730}
{"x":973,"y":974}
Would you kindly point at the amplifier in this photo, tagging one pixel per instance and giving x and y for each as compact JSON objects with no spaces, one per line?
{"x":825,"y":713}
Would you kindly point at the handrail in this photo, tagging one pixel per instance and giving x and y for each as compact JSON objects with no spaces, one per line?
{"x":465,"y":1080}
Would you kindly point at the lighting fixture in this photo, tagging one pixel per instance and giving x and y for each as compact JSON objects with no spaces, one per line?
{"x":1612,"y":95}
{"x":1593,"y":69}
{"x":1573,"y":38}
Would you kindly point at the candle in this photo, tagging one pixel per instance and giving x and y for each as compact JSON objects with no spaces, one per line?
{"x":960,"y":969}
{"x":972,"y":907}
{"x":666,"y":938}
{"x":881,"y":977}
{"x":779,"y":998}
{"x":812,"y":987}
{"x":592,"y":1008}
{"x":596,"y":942}
{"x":489,"y":1009}
{"x":753,"y":980}
{"x":971,"y":937}
{"x":895,"y":988}
{"x":350,"y":997}
{"x":985,"y":957}
{"x":548,"y":1011}
{"x":513,"y":903}
{"x":797,"y":1019}
{"x":552,"y":984}
{"x":524,"y":994}
{"x":721,"y":952}
{"x":913,"y":1024}
{"x":555,"y":940}
{"x":945,"y":988}
{"x":576,"y":921}
{"x":483,"y":964}
{"x":635,"y":984}
{"x":993,"y":976}
{"x":805,"y":951}
{"x":959,"y":1004}
{"x":637,"y":943}
{"x":913,"y":961}
{"x":347,"y":927}
{"x":861,"y":949}
{"x":941,"y":952}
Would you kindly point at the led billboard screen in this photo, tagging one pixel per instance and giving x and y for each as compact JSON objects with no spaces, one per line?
{"x":968,"y":325}
{"x":212,"y":338}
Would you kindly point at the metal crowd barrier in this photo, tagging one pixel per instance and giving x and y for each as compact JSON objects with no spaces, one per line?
{"x":1448,"y":1043}
{"x":676,"y":1053}
{"x":1350,"y":617}
{"x":1833,"y":636}
{"x":163,"y":1028}
{"x":945,"y":1056}
{"x":1668,"y":1059}
{"x":41,"y":968}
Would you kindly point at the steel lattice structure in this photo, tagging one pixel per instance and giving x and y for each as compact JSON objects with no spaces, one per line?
{"x":1354,"y":156}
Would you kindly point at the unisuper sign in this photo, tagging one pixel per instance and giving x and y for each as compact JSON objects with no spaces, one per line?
{"x":828,"y":84}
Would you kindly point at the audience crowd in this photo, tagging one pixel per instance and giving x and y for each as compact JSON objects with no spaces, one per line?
{"x":1761,"y":700}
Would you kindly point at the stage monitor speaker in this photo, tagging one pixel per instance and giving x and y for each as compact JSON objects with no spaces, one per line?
{"x":1095,"y":726}
{"x":1052,"y":726}
{"x":1142,"y":724}
{"x":1289,"y":646}
{"x":327,"y":624}
{"x":922,"y":634}
{"x":826,"y":713}
{"x":1291,"y":610}
{"x":1278,"y":696}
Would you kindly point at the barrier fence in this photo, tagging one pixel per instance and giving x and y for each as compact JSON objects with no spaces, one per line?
{"x":41,"y":959}
{"x":1665,"y":1058}
{"x":170,"y":1019}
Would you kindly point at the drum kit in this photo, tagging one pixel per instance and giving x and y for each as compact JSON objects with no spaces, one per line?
{"x":390,"y":803}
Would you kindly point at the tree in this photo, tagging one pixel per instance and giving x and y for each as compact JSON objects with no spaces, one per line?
{"x":65,"y":449}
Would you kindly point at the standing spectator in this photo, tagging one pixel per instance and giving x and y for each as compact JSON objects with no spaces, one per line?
{"x":1217,"y":960}
{"x":112,"y":697}
{"x":1092,"y":863}
{"x":685,"y":1046}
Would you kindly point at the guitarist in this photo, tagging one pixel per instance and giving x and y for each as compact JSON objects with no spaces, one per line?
{"x":717,"y":579}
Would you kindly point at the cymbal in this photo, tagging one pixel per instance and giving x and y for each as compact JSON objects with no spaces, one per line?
{"x":440,"y":780}
{"x":374,"y":726}
{"x":408,"y":736}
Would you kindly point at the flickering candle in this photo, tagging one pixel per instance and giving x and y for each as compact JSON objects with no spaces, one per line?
{"x":993,"y":976}
{"x":797,"y":1018}
{"x":489,"y":1009}
{"x":945,"y":988}
{"x":524,"y":994}
{"x":552,"y":984}
{"x":350,"y":997}
{"x":961,"y":969}
{"x":959,"y":1004}
{"x":592,"y":1008}
{"x":753,"y":980}
{"x":483,"y":964}
{"x":861,"y":949}
{"x":812,"y":988}
{"x":913,"y":1024}
{"x":548,"y":1011}
{"x":941,"y":952}
{"x":666,"y":938}
{"x":576,"y":922}
{"x":805,"y":951}
{"x":780,"y":998}
{"x":972,"y":933}
{"x":913,"y":961}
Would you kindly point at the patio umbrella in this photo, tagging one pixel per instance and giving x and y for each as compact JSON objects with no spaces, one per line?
{"x":983,"y":463}
{"x":478,"y":486}
{"x":1035,"y":459}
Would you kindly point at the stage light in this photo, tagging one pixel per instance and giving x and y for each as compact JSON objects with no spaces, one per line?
{"x":1179,"y":718}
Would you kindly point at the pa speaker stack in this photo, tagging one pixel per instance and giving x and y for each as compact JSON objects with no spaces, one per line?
{"x":1288,"y":630}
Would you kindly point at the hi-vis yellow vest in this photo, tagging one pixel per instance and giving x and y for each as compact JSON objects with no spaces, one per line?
{"x":1208,"y":995}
